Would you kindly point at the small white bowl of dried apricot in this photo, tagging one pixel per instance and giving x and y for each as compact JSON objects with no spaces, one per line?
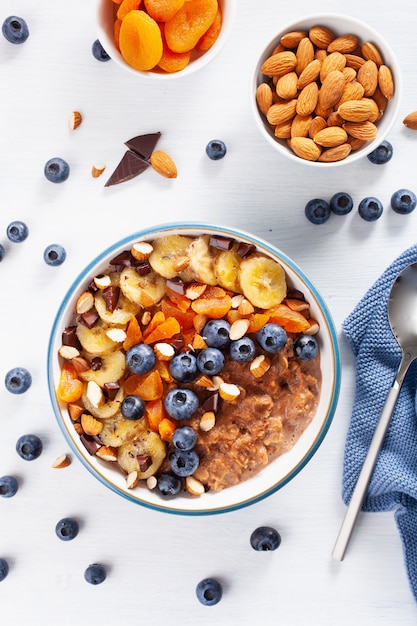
{"x":326,"y":90}
{"x":161,"y":40}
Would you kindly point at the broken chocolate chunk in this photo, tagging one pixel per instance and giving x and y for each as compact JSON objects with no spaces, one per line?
{"x":111,"y":390}
{"x":221,"y":243}
{"x":96,"y":363}
{"x":89,"y":318}
{"x":211,"y":403}
{"x":176,"y":284}
{"x":131,"y":165}
{"x":245,"y":249}
{"x":111,"y":296}
{"x":143,"y":145}
{"x":69,"y":337}
{"x":90,"y":443}
{"x":144,"y":461}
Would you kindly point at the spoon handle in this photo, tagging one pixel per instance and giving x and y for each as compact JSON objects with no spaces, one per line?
{"x":365,"y":475}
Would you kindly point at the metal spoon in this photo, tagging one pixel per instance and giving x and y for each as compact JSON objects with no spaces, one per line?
{"x":402,"y":316}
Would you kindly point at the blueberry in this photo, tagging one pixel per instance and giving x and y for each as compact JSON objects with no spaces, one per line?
{"x":56,"y":170}
{"x":242,"y":350}
{"x":216,"y":149}
{"x":133,"y":407}
{"x":2,"y":252}
{"x":381,"y":154}
{"x":403,"y":201}
{"x":54,"y":254}
{"x":99,"y":52}
{"x":265,"y":538}
{"x":210,"y":361}
{"x":209,"y":591}
{"x":18,"y":380}
{"x":216,"y":333}
{"x":305,"y":347}
{"x":181,"y":404}
{"x":8,"y":486}
{"x":272,"y":337}
{"x":67,"y":528}
{"x":95,"y":574}
{"x":29,"y":447}
{"x":184,"y":438}
{"x":169,"y":484}
{"x":4,"y":569}
{"x":341,"y":203}
{"x":183,"y":367}
{"x":17,"y":231}
{"x":370,"y":209}
{"x":15,"y":29}
{"x":317,"y":211}
{"x":183,"y":462}
{"x":140,"y":358}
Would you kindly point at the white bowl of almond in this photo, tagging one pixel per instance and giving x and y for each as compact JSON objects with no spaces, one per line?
{"x":326,"y":90}
{"x":193,"y":368}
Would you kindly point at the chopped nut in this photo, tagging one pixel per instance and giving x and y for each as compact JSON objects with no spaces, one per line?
{"x":101,"y":282}
{"x":151,"y":482}
{"x":237,"y":300}
{"x":68,"y":352}
{"x":97,"y":170}
{"x":146,"y":318}
{"x":207,"y":421}
{"x":78,"y":428}
{"x":95,"y":394}
{"x":199,"y":322}
{"x":195,"y":290}
{"x":74,"y":120}
{"x":107,"y":453}
{"x":199,"y":343}
{"x":181,"y":263}
{"x":297,"y":305}
{"x":245,"y":307}
{"x":229,"y":391}
{"x":194,"y":486}
{"x":164,"y":351}
{"x":216,"y":381}
{"x":259,"y":366}
{"x":75,"y":411}
{"x":238,"y":329}
{"x":117,"y":335}
{"x":141,"y":250}
{"x":204,"y":381}
{"x":314,"y":327}
{"x":61,"y":461}
{"x":90,"y":425}
{"x":80,"y":364}
{"x":132,"y":480}
{"x":85,"y":302}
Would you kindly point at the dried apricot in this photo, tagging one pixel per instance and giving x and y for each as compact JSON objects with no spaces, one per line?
{"x":185,"y":29}
{"x":140,"y":41}
{"x":164,"y":330}
{"x":166,"y":428}
{"x":155,"y":413}
{"x":147,"y":386}
{"x":126,"y":6}
{"x":185,"y":318}
{"x":70,"y":388}
{"x":157,"y":319}
{"x":133,"y":334}
{"x":292,"y":321}
{"x":172,"y":62}
{"x":163,"y":10}
{"x":212,"y":307}
{"x":211,"y":34}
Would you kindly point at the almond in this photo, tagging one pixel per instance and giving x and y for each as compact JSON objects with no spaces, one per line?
{"x":368,"y":77}
{"x":349,"y":73}
{"x":90,"y":425}
{"x":164,"y":351}
{"x":321,"y":36}
{"x":199,"y":343}
{"x":345,"y":43}
{"x":301,"y":125}
{"x":293,"y":38}
{"x":75,"y":120}
{"x":279,"y":113}
{"x":194,"y":486}
{"x":97,"y":170}
{"x":107,"y":453}
{"x":410,"y":120}
{"x":352,"y":91}
{"x":259,"y":366}
{"x":283,"y":131}
{"x":207,"y":421}
{"x":317,"y":123}
{"x":330,"y":137}
{"x":314,"y":325}
{"x":357,"y":110}
{"x":335,"y":119}
{"x":245,"y":307}
{"x":331,"y":89}
{"x":61,"y":461}
{"x":141,"y":250}
{"x":354,"y":60}
{"x":163,"y":164}
{"x":229,"y":392}
{"x":371,"y":53}
{"x":361,"y":130}
{"x":304,"y":54}
{"x":307,"y":99}
{"x":132,"y":480}
{"x":264,"y":97}
{"x":286,"y":86}
{"x":305,"y":148}
{"x":85,"y":302}
{"x":68,"y":352}
{"x":333,"y":61}
{"x":386,"y":82}
{"x":75,"y":411}
{"x":309,"y":74}
{"x":279,"y":64}
{"x":332,"y":155}
{"x":238,"y":329}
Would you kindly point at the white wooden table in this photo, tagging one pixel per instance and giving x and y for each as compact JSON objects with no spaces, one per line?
{"x":154,"y":560}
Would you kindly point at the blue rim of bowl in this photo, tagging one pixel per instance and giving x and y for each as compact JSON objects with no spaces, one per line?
{"x":258,"y":241}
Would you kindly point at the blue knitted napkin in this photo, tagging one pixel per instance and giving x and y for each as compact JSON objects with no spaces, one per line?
{"x":393,"y":486}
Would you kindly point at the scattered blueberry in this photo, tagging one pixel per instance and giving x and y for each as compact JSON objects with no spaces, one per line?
{"x":8,"y":486}
{"x":317,"y":211}
{"x":272,"y":337}
{"x":341,"y":203}
{"x":216,"y":333}
{"x":56,"y":170}
{"x":2,"y":252}
{"x":183,"y":367}
{"x":403,"y":201}
{"x":140,"y":358}
{"x":209,"y":591}
{"x":216,"y":149}
{"x":29,"y":447}
{"x":210,"y":361}
{"x":184,"y":438}
{"x":242,"y":350}
{"x":305,"y":347}
{"x":4,"y":569}
{"x":18,"y":380}
{"x":17,"y":231}
{"x":183,"y":462}
{"x":133,"y":407}
{"x":67,"y":529}
{"x":95,"y":574}
{"x":15,"y":29}
{"x":370,"y":209}
{"x":181,"y":404}
{"x":265,"y":538}
{"x":54,"y":254}
{"x":169,"y":484}
{"x":381,"y":154}
{"x":99,"y":52}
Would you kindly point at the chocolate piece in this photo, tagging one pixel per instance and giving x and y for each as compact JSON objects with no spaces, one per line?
{"x":144,"y":461}
{"x":176,"y":284}
{"x":296,"y":294}
{"x":143,"y":145}
{"x":69,"y":337}
{"x":96,"y":363}
{"x":211,"y":403}
{"x":92,"y":286}
{"x":90,"y":443}
{"x":89,"y":318}
{"x":131,"y":165}
{"x":111,"y":297}
{"x":221,"y":243}
{"x":142,"y":268}
{"x":124,"y":259}
{"x":245,"y":249}
{"x":111,"y":390}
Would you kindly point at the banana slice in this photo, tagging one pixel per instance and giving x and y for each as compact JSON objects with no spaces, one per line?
{"x":226,"y":268}
{"x":94,"y":340}
{"x":119,"y":430}
{"x":134,"y":456}
{"x":112,"y":368}
{"x":202,"y":260}
{"x":144,"y":291}
{"x":122,"y":314}
{"x":262,"y":281}
{"x":168,"y":252}
{"x":108,"y":409}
